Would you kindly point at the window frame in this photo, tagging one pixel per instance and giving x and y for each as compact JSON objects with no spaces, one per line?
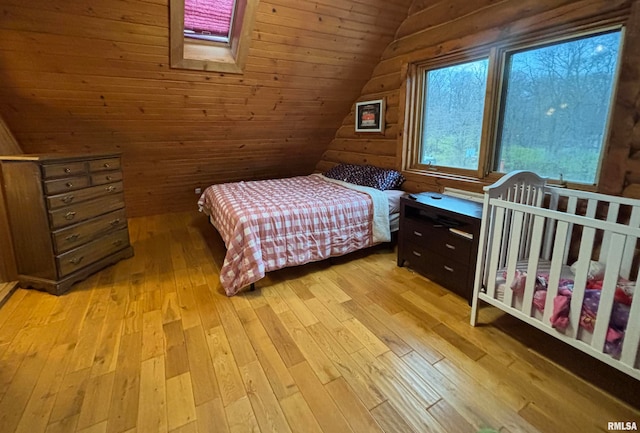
{"x":206,"y":55}
{"x":493,"y":108}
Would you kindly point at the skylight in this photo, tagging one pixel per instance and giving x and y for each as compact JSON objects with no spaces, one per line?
{"x":208,"y":19}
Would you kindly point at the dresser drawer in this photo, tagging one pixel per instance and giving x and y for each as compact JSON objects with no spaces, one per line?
{"x":63,"y":170}
{"x":60,"y":200}
{"x":82,"y":211}
{"x":443,"y":270}
{"x":106,"y":177}
{"x":92,"y":252}
{"x":104,"y":164}
{"x":68,"y":184}
{"x":439,"y":238}
{"x":76,"y":235}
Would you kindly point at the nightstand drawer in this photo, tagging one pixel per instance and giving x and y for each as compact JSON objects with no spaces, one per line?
{"x":448,"y":272}
{"x":438,"y":238}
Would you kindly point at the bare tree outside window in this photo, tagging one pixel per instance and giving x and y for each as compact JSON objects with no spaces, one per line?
{"x":555,"y":108}
{"x":453,"y":109}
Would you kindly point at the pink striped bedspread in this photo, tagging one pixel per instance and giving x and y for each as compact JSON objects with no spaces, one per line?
{"x":272,"y":224}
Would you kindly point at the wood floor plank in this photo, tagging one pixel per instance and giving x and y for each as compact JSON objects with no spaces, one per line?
{"x":322,"y":406}
{"x":241,"y":417}
{"x":205,"y":384}
{"x":410,"y":405}
{"x":367,"y":391}
{"x":152,"y":335}
{"x":97,"y":400}
{"x":390,"y":420}
{"x":240,"y":344}
{"x":152,"y":412}
{"x":299,"y":414}
{"x":25,"y":379}
{"x":36,"y":414}
{"x":281,"y":339}
{"x":123,"y":413}
{"x":274,"y":367}
{"x":206,"y":307}
{"x":226,"y":369}
{"x":181,"y":408}
{"x":212,"y":417}
{"x":70,"y":397}
{"x":317,"y":360}
{"x":352,"y":408}
{"x":177,"y":361}
{"x":265,"y":405}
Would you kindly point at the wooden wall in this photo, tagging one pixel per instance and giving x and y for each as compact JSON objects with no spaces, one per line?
{"x":8,"y":146}
{"x":93,"y":75}
{"x":447,"y":26}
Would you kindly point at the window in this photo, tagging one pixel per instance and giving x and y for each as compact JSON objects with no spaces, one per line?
{"x":542,"y":107}
{"x":211,"y":35}
{"x":453,"y":109}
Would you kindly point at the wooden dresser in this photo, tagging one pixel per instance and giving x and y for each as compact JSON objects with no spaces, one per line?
{"x":67,"y":217}
{"x":439,"y":239}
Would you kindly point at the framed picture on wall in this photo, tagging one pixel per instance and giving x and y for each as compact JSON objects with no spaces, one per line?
{"x":370,"y":116}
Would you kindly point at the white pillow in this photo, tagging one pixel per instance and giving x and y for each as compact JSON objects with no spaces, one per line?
{"x":595,"y":271}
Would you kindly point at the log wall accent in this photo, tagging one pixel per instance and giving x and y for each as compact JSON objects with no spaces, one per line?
{"x":8,"y":146}
{"x":94,"y":76}
{"x":438,"y":28}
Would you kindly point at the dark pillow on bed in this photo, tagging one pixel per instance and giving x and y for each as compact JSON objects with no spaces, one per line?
{"x":367,"y":175}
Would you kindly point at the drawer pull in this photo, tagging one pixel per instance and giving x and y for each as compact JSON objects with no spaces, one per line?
{"x":417,"y":254}
{"x":110,"y":188}
{"x":115,"y":222}
{"x":108,"y":177}
{"x":437,"y":226}
{"x":67,"y":170}
{"x":447,"y":268}
{"x":106,"y":165}
{"x":69,"y":216}
{"x":72,"y":238}
{"x":451,"y":247}
{"x":67,"y":199}
{"x":417,"y":233}
{"x":69,"y":185}
{"x":117,"y":242}
{"x":76,"y":260}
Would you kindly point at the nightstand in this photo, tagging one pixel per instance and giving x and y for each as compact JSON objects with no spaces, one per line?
{"x":439,"y":239}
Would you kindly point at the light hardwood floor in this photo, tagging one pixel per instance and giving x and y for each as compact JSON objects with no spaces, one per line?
{"x":356,"y":345}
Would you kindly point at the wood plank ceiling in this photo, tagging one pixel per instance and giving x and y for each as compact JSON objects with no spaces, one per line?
{"x":92,"y":76}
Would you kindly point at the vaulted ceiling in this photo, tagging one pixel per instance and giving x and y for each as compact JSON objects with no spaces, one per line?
{"x":93,"y":75}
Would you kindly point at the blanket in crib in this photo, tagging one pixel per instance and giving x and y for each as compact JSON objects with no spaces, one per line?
{"x":561,"y":303}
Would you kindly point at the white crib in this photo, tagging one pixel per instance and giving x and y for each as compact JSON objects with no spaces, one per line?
{"x":528,"y":225}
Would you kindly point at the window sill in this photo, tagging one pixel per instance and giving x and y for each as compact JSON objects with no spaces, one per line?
{"x":207,"y":58}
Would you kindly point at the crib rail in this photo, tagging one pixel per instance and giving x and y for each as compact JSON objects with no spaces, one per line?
{"x":517,"y":227}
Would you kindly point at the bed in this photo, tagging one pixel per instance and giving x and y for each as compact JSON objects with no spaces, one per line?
{"x":272,"y":224}
{"x":564,"y":261}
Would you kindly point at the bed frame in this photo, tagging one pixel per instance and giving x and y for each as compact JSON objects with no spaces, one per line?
{"x":526,"y":219}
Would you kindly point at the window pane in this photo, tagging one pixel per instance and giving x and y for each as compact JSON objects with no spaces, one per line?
{"x":555,"y":108}
{"x":208,"y":19}
{"x":453,"y":109}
